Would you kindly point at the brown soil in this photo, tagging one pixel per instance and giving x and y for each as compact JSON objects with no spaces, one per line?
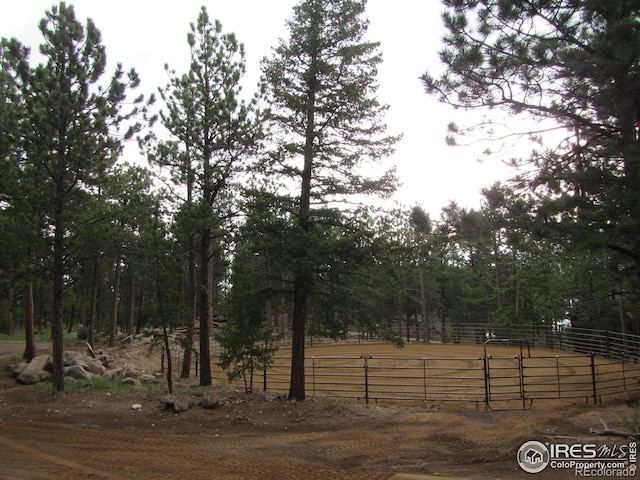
{"x":98,"y":435}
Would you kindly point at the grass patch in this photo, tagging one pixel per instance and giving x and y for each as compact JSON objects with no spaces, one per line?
{"x":10,"y":361}
{"x":40,"y":337}
{"x":632,"y":421}
{"x":334,"y":405}
{"x":96,"y":385}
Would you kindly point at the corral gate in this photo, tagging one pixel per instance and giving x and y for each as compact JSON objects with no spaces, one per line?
{"x":504,"y":375}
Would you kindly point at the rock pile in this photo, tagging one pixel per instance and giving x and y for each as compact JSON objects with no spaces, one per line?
{"x":76,"y":365}
{"x":182,"y":403}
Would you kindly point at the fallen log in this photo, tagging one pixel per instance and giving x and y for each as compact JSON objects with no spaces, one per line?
{"x":609,"y":432}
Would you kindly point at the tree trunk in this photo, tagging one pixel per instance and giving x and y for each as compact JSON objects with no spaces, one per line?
{"x":623,"y":323}
{"x":93,"y":317}
{"x":206,"y":307}
{"x":140,"y":304}
{"x":185,"y":372}
{"x":57,"y":322}
{"x":443,"y":313}
{"x":192,"y":287}
{"x":269,"y":310}
{"x":132,"y":306}
{"x":193,"y":302}
{"x":10,"y":313}
{"x":297,"y":384}
{"x":498,"y":287}
{"x":423,"y":302}
{"x":42,"y":317}
{"x":407,"y":325}
{"x":71,"y":319}
{"x":29,"y":324}
{"x":114,"y":305}
{"x":301,"y":283}
{"x":169,"y":360}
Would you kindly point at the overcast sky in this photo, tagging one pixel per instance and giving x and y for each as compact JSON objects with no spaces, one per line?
{"x":146,"y":35}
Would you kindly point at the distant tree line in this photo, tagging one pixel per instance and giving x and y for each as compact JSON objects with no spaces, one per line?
{"x":256,"y":211}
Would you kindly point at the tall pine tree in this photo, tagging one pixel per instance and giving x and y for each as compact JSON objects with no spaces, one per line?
{"x":213,"y":134}
{"x":70,"y":134}
{"x":322,"y":86}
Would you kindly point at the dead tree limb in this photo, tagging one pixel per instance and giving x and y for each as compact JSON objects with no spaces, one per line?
{"x":608,"y":432}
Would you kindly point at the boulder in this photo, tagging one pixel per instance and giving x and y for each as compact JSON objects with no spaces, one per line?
{"x":131,"y":381}
{"x":113,"y":373}
{"x":168,"y":400}
{"x":34,"y":372}
{"x":210,"y":403}
{"x":31,"y":378}
{"x":183,"y":403}
{"x":16,"y":368}
{"x":149,"y":378}
{"x":94,"y":366}
{"x":77,"y":372}
{"x":73,"y":358}
{"x":69,"y":358}
{"x":178,"y":403}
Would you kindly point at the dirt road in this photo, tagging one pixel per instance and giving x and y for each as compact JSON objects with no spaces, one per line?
{"x":97,"y":435}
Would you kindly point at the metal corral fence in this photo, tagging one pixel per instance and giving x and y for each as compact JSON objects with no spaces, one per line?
{"x":606,"y":343}
{"x":505,"y":376}
{"x":384,"y":378}
{"x":590,"y":365}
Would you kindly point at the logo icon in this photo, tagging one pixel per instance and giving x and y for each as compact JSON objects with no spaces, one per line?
{"x":533,"y":457}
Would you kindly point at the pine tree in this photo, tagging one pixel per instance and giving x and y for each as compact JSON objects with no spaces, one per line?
{"x":322,"y":85}
{"x":574,"y":66}
{"x":213,"y":134}
{"x":247,"y":338}
{"x":18,"y":223}
{"x":421,"y":224}
{"x":70,"y":134}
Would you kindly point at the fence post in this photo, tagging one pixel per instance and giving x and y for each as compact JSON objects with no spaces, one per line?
{"x":366,"y":377}
{"x":313,"y":375}
{"x":593,"y":378}
{"x":558,"y":376}
{"x":424,"y":376}
{"x":486,"y":379}
{"x":521,"y":368}
{"x":264,"y":379}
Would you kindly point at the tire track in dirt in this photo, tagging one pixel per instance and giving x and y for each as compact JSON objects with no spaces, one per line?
{"x":127,"y":455}
{"x":41,"y":457}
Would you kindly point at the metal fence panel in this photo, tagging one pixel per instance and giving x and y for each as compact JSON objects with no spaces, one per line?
{"x":593,"y":364}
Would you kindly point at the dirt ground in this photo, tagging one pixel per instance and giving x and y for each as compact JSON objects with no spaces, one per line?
{"x":90,"y":434}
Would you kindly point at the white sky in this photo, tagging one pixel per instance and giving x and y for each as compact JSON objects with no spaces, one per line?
{"x":146,"y":35}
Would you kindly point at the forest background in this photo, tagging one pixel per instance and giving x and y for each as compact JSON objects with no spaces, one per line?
{"x":266,"y":212}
